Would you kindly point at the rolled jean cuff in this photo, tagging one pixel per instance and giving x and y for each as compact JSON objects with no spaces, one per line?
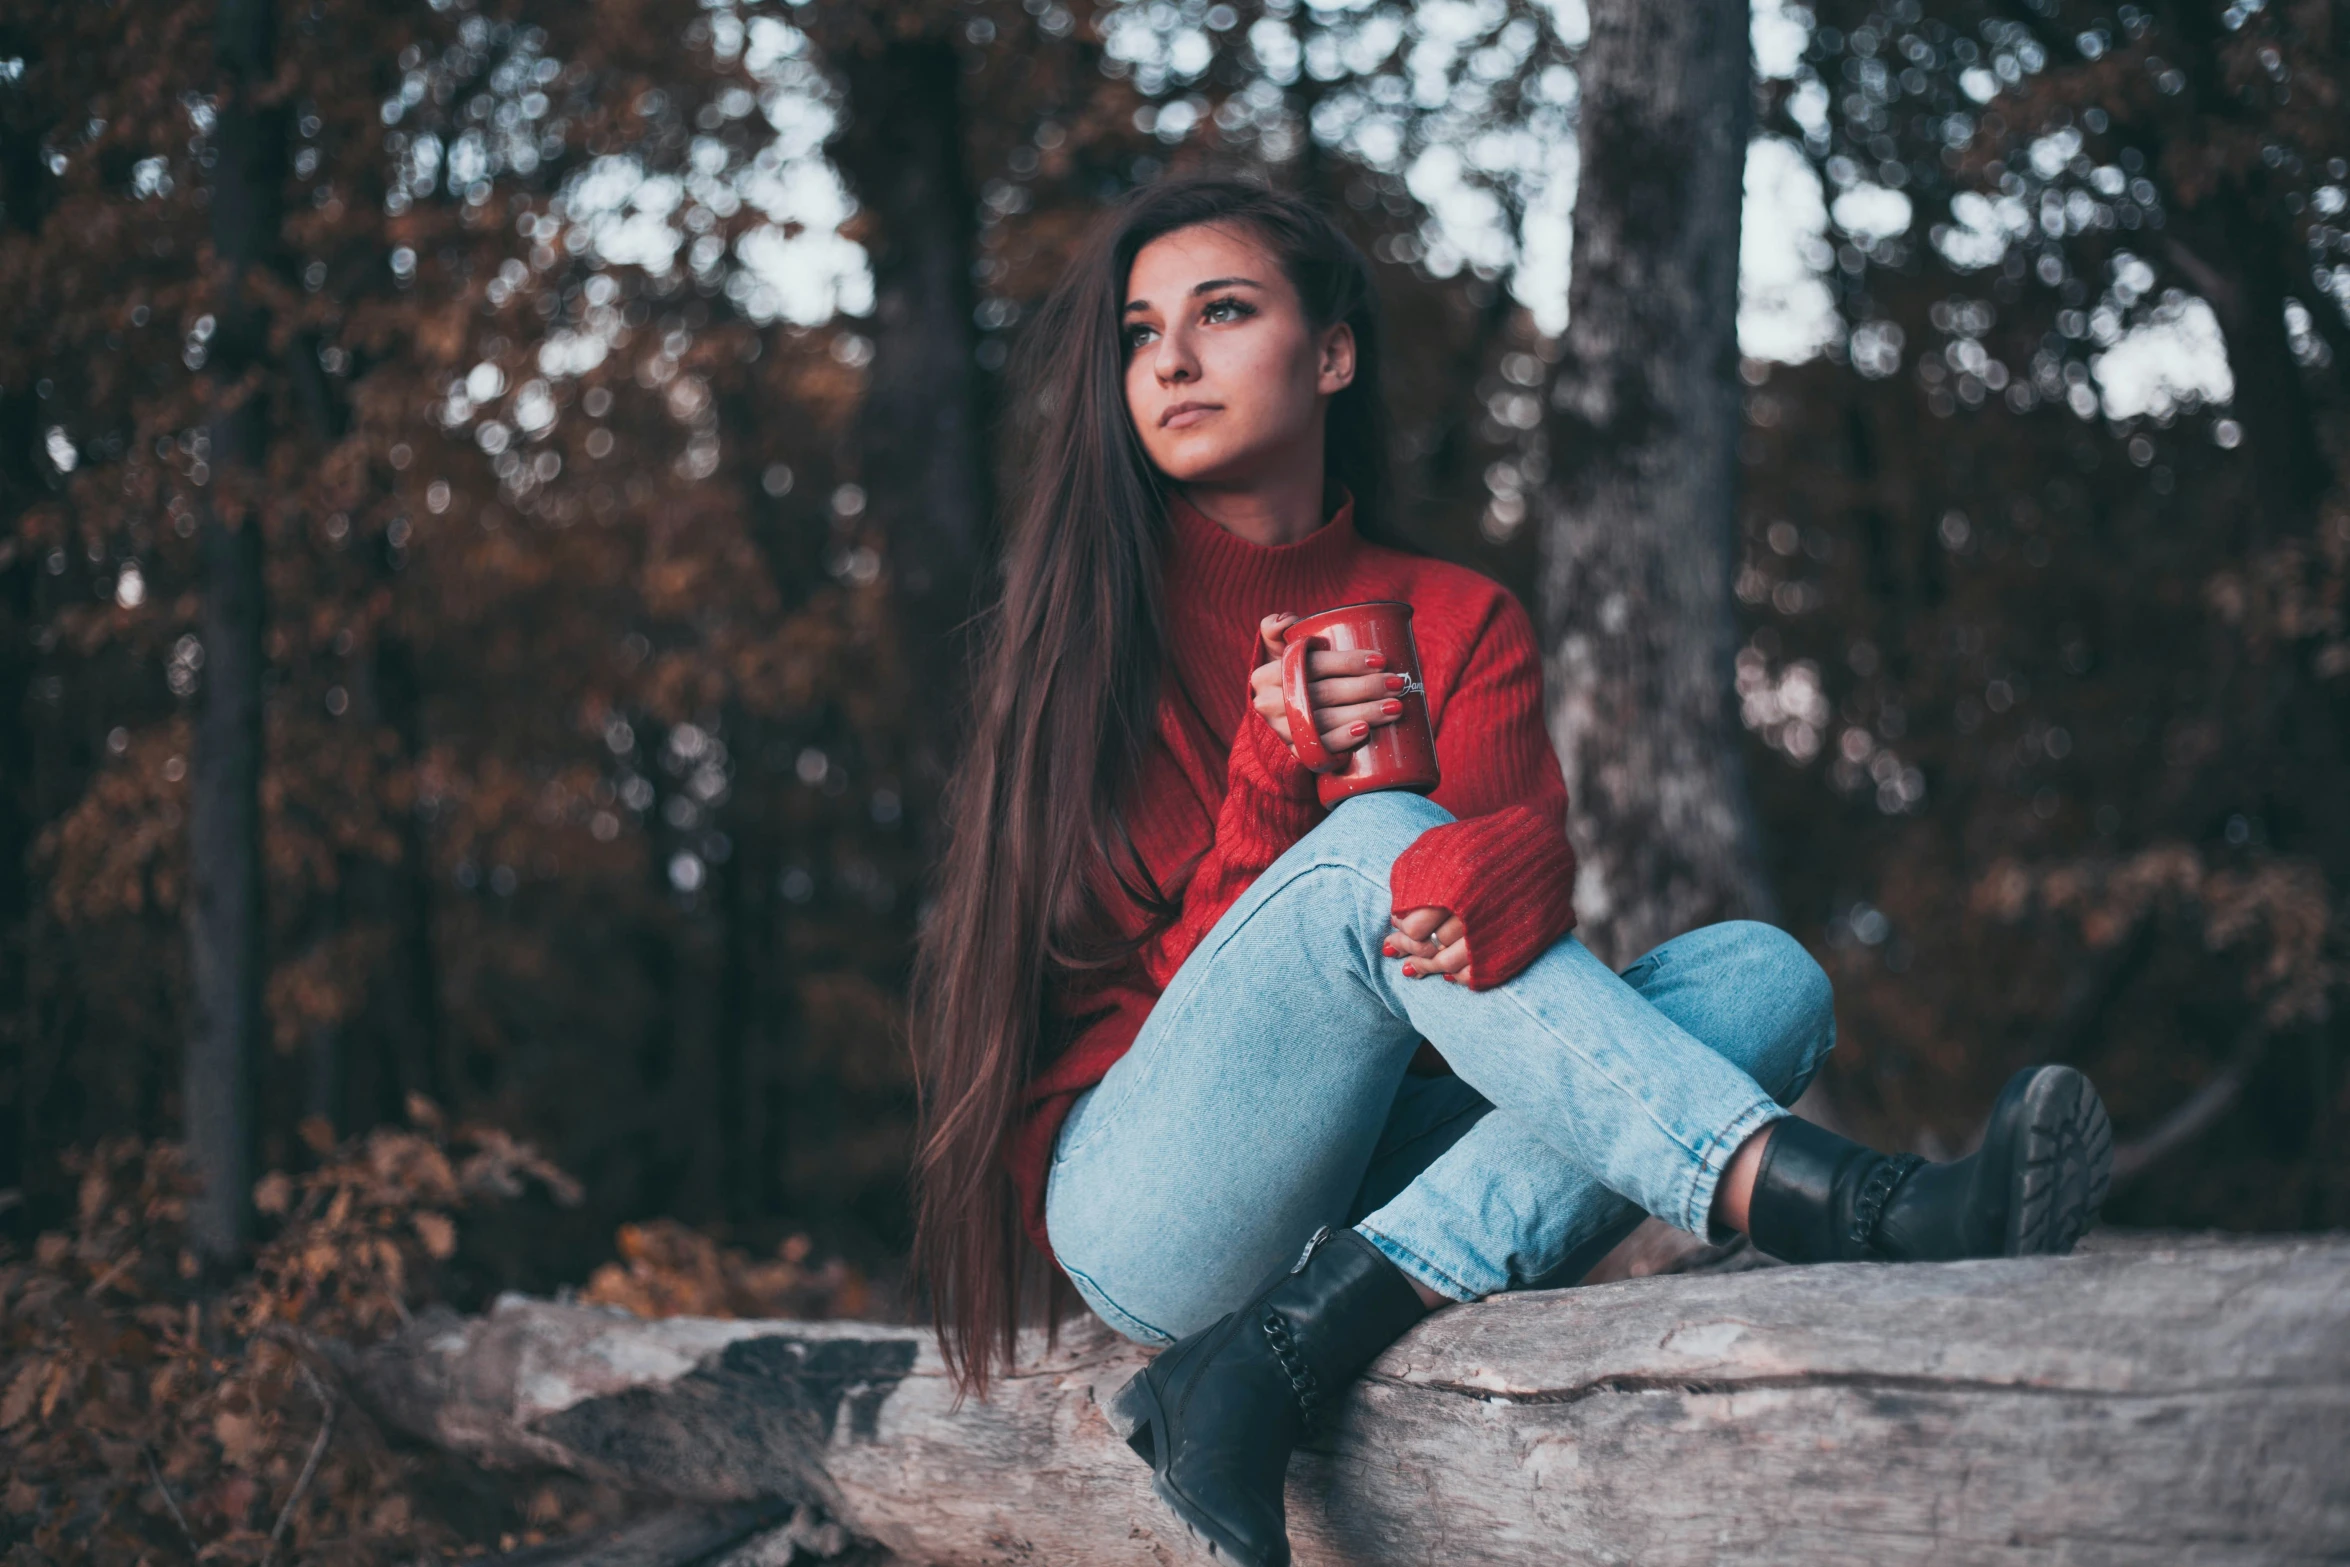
{"x":1421,"y":1269}
{"x":1697,"y":1214}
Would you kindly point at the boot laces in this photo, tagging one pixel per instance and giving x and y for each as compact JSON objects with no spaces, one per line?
{"x":1875,"y":1192}
{"x":1302,"y":1383}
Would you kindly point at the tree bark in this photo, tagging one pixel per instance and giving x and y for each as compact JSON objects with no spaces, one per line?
{"x":19,"y":608}
{"x":405,"y":1007}
{"x":2152,"y":1399}
{"x":27,"y":1152}
{"x":2244,"y":264}
{"x":926,"y":477}
{"x":224,"y":904}
{"x":1638,"y":521}
{"x":225,"y":938}
{"x":2240,"y":226}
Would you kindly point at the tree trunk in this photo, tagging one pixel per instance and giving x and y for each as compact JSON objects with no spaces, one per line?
{"x":400,"y":1028}
{"x":19,"y":607}
{"x":1638,"y":520}
{"x":925,"y":472}
{"x":224,"y":904}
{"x":405,"y":1009}
{"x":2242,"y":248}
{"x":225,"y":938}
{"x":744,"y":894}
{"x":2244,"y":264}
{"x":2150,"y":1400}
{"x":27,"y":1152}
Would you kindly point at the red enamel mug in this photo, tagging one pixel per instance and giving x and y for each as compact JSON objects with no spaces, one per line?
{"x":1401,"y":755}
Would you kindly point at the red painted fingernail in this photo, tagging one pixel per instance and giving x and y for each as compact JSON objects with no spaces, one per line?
{"x":1396,"y":682}
{"x":1359,"y":728}
{"x":1375,"y":661}
{"x":1388,"y":950}
{"x":1410,"y":972}
{"x":1391,"y":706}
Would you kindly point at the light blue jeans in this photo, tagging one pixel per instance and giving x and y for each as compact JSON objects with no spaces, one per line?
{"x":1267,"y":1096}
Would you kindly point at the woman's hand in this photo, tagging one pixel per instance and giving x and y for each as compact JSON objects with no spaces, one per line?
{"x":1351,"y":693}
{"x":1430,"y":941}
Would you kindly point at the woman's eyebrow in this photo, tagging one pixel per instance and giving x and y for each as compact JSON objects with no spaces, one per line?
{"x":1197,"y":289}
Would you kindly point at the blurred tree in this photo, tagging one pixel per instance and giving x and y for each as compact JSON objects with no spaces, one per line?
{"x":1637,"y":521}
{"x":922,"y":427}
{"x":224,"y":909}
{"x":22,"y":485}
{"x":66,"y":83}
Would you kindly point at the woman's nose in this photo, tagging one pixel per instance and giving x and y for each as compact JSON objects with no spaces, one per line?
{"x":1175,"y":362}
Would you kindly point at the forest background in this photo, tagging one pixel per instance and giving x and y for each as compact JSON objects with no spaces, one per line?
{"x":488,"y":491}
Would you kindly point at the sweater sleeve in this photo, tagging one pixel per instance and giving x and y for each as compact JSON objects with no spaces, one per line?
{"x":1504,"y":866}
{"x":1269,"y":804}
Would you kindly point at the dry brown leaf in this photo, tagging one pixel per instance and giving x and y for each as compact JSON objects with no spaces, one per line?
{"x":23,"y":1389}
{"x":239,"y":1435}
{"x":273,"y":1193}
{"x":438,"y":1234}
{"x":60,"y":1377}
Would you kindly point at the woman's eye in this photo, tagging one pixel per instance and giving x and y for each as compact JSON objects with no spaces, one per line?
{"x":1136,"y":336}
{"x":1225,"y":310}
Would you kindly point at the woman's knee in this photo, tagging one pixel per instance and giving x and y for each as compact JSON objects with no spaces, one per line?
{"x":1341,"y":868}
{"x":1128,"y":1325}
{"x":1799,"y":1001}
{"x":1154,"y":1286}
{"x":1368,"y":831}
{"x":1781,"y":1005}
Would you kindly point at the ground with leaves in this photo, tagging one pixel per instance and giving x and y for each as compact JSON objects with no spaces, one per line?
{"x":147,"y":1417}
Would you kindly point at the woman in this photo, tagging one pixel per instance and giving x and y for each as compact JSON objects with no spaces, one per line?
{"x":1169,"y":1007}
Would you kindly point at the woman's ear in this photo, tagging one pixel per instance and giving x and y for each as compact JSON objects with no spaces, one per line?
{"x":1337,"y":368}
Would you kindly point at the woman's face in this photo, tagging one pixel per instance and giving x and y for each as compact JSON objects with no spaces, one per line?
{"x":1226,"y":379}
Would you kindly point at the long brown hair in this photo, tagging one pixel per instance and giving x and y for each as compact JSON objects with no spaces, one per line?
{"x":1066,"y":683}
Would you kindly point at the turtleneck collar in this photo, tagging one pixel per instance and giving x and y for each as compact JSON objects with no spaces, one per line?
{"x":1224,"y":565}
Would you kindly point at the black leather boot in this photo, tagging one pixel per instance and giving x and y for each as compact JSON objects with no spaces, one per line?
{"x":1218,"y":1413}
{"x":2031,"y":1190}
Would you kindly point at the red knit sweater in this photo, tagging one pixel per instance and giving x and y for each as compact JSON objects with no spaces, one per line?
{"x":1219,"y":788}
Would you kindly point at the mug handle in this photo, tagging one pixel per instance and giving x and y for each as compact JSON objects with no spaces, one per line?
{"x":1304,"y":739}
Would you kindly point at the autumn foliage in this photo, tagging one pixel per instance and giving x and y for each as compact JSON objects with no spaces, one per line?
{"x":668,"y":1270}
{"x":148,"y":1418}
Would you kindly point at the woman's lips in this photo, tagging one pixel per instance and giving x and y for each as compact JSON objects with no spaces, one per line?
{"x":1184,"y":415}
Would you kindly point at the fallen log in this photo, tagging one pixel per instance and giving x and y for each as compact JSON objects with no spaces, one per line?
{"x":665,"y":1539}
{"x":2166,"y":1401}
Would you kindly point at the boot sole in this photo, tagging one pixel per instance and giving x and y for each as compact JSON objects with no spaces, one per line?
{"x":2062,"y":1172}
{"x":1140,"y":1420}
